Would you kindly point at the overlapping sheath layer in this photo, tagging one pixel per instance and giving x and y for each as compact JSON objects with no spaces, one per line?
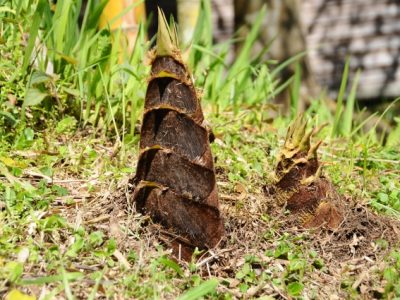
{"x":175,"y":179}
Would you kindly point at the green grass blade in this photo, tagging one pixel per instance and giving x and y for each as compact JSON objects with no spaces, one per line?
{"x":33,"y":33}
{"x":348,"y":113}
{"x":66,"y":285}
{"x":295,"y":91}
{"x":275,"y":72}
{"x":4,"y":9}
{"x":339,"y":102}
{"x":107,"y":96}
{"x":382,"y":115}
{"x":386,"y":208}
{"x":244,"y":54}
{"x":92,"y":295}
{"x":61,"y":18}
{"x":202,"y":35}
{"x":240,"y":71}
{"x":394,"y":136}
{"x":73,"y":276}
{"x":280,"y":87}
{"x":363,"y":123}
{"x":200,"y":291}
{"x":94,"y":15}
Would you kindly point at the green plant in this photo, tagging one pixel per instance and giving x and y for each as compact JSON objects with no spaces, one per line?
{"x":339,"y":101}
{"x":72,"y":67}
{"x":392,"y":276}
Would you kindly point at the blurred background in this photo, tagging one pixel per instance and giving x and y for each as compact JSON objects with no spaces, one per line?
{"x":328,"y":31}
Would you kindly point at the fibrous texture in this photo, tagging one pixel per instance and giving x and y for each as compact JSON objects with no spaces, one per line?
{"x":175,"y":179}
{"x":300,"y":185}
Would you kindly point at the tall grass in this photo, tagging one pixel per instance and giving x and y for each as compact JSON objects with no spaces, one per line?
{"x":89,"y":72}
{"x":86,"y":71}
{"x":230,"y":83}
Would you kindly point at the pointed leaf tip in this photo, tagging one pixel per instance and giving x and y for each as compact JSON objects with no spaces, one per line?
{"x":167,"y":38}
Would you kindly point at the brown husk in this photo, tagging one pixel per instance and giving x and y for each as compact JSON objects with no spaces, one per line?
{"x":175,"y":179}
{"x":300,"y":187}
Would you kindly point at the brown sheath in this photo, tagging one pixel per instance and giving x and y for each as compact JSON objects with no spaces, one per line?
{"x":175,"y":179}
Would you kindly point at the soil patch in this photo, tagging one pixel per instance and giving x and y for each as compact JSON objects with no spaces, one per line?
{"x":359,"y":244}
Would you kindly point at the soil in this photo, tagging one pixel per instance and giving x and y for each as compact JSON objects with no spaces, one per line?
{"x":253,"y":228}
{"x":354,"y":238}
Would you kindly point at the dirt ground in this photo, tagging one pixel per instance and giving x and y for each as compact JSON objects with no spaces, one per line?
{"x":252,"y":228}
